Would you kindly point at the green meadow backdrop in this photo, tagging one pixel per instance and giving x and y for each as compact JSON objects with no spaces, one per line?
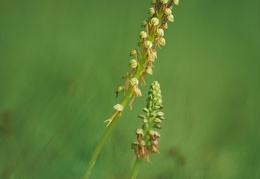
{"x":61,"y":62}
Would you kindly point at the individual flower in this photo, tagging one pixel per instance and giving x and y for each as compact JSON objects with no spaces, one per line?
{"x":160,"y":32}
{"x":118,"y":107}
{"x":143,"y":35}
{"x":168,"y":11}
{"x":133,"y":52}
{"x":148,"y":44}
{"x":133,"y":63}
{"x":154,"y":2}
{"x":151,"y":11}
{"x":162,"y":42}
{"x":134,"y":83}
{"x":171,"y":18}
{"x":154,"y":21}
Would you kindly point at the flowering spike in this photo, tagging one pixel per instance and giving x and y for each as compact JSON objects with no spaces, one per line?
{"x":147,"y":137}
{"x":151,"y":37}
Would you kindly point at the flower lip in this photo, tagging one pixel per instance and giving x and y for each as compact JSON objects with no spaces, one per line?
{"x":119,"y":107}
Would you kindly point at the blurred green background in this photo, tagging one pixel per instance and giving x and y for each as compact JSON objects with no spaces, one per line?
{"x":61,"y":62}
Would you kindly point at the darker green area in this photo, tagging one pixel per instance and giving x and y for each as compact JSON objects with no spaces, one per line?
{"x":61,"y":61}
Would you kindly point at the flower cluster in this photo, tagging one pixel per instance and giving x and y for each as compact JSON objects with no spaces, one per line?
{"x":151,"y":38}
{"x":142,"y":60}
{"x":147,"y":136}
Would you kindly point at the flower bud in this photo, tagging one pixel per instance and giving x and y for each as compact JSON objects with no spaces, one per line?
{"x":161,"y":117}
{"x":160,"y":114}
{"x":133,"y":63}
{"x":151,"y":11}
{"x":170,"y":18}
{"x":166,"y":26}
{"x":168,"y":11}
{"x":144,"y":23}
{"x":154,"y":2}
{"x":120,"y":88}
{"x":133,"y":52}
{"x":162,"y":41}
{"x":148,"y":44}
{"x":142,"y":116}
{"x":143,"y":35}
{"x":159,"y":101}
{"x":160,"y":32}
{"x":176,"y":2}
{"x":154,"y":21}
{"x":149,"y":70}
{"x":146,"y":110}
{"x":157,"y":120}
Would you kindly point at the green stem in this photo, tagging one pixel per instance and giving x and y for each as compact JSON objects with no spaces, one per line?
{"x":99,"y":147}
{"x":114,"y":119}
{"x":136,"y":167}
{"x":96,"y":152}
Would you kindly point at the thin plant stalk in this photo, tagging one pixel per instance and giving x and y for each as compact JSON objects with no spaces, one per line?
{"x":99,"y":147}
{"x":115,"y":116}
{"x":136,"y":167}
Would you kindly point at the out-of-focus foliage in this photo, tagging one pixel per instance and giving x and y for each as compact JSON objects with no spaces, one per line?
{"x":61,"y":62}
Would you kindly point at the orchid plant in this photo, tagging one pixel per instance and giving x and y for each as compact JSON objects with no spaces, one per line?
{"x":141,"y":64}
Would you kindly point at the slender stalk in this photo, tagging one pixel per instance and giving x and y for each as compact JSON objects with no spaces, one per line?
{"x":115,"y":116}
{"x":99,"y":147}
{"x":136,"y":167}
{"x":110,"y":127}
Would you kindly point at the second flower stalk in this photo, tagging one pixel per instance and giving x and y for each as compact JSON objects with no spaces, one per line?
{"x":147,"y":136}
